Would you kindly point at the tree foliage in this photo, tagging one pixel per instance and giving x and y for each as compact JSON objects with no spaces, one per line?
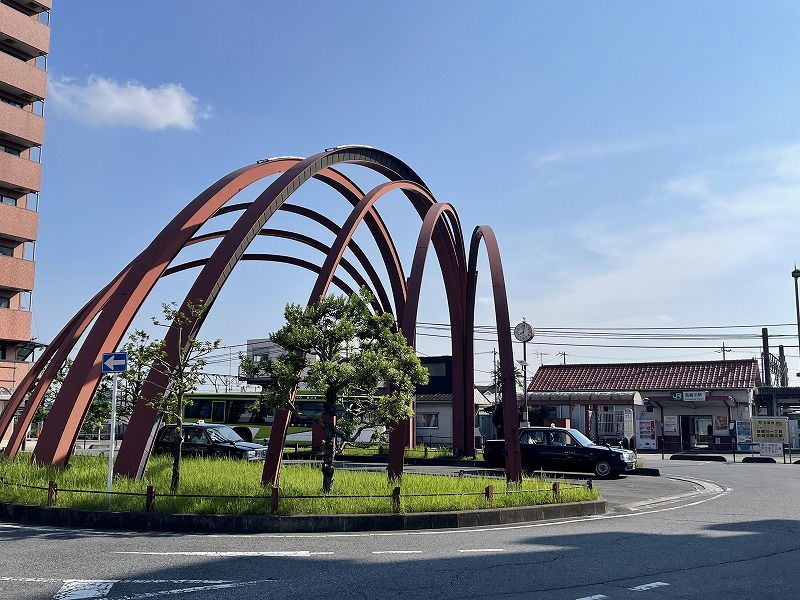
{"x":357,"y":361}
{"x":185,"y":375}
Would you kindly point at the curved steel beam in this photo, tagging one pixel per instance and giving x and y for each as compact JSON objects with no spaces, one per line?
{"x":454,"y":279}
{"x":46,"y":368}
{"x":215,"y":273}
{"x":289,"y":260}
{"x":69,"y":409}
{"x":509,"y":396}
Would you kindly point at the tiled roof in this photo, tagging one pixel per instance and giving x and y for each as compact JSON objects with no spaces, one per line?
{"x":710,"y":375}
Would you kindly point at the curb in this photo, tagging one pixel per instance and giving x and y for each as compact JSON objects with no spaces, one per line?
{"x":708,"y":457}
{"x":66,"y":517}
{"x":646,"y":471}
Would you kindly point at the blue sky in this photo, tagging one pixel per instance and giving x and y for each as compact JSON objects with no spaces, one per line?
{"x":639,"y":162}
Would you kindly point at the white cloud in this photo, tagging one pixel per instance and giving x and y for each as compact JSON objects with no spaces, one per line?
{"x":103,"y":102}
{"x":590,"y":152}
{"x":696,"y":245}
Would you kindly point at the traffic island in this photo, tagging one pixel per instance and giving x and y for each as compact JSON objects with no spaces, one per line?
{"x":152,"y":521}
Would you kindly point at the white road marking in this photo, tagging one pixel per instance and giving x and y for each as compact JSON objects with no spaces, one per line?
{"x":88,"y":589}
{"x":597,"y":597}
{"x":483,"y":550}
{"x":208,"y":553}
{"x":31,"y":579}
{"x":221,"y":586}
{"x":76,"y":589}
{"x":648,"y":586}
{"x":397,"y":551}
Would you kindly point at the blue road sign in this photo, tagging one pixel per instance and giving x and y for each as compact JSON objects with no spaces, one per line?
{"x":115,"y":362}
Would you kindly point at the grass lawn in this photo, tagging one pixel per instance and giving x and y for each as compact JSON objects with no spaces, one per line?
{"x":223,"y":486}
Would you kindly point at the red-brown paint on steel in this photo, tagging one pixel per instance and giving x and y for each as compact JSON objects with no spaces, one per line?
{"x":509,"y":396}
{"x":231,"y":248}
{"x":55,"y":445}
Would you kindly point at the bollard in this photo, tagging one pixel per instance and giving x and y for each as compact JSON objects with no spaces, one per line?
{"x":556,"y":489}
{"x":150,"y":499}
{"x":273,"y":507}
{"x":396,"y":500}
{"x":589,"y":484}
{"x":426,"y":452}
{"x":52,"y":493}
{"x":489,"y":493}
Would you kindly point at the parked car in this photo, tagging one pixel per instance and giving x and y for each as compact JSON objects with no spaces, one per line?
{"x":206,"y":439}
{"x":565,"y":450}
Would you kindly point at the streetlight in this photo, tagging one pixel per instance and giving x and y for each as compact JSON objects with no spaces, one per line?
{"x":795,"y":275}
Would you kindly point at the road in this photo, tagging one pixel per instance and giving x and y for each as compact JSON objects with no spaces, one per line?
{"x":724,"y":530}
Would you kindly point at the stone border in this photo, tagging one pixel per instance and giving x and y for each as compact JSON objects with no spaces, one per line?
{"x":67,"y":517}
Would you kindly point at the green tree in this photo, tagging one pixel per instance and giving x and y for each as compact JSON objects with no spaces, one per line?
{"x":341,"y":350}
{"x":142,"y":352}
{"x":187,"y":373}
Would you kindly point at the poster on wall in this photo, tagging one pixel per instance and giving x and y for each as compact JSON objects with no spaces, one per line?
{"x":721,"y":425}
{"x":743,"y":436}
{"x":671,"y":425}
{"x":646,"y":434}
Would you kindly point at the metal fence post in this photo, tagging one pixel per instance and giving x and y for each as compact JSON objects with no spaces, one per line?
{"x":273,"y":508}
{"x":52,"y":493}
{"x":489,"y":493}
{"x":556,"y":489}
{"x":150,"y":498}
{"x":396,"y":499}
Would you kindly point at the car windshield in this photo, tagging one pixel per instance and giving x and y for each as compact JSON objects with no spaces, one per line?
{"x":580,"y":438}
{"x":223,"y":434}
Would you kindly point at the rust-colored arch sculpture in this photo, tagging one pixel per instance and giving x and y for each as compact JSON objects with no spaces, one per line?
{"x":107,"y":316}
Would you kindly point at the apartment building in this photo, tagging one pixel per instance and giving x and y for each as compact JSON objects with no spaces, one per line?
{"x":24,"y":43}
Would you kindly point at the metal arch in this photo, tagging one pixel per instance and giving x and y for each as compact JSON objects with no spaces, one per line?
{"x":282,"y":258}
{"x":46,"y":368}
{"x":143,"y":421}
{"x":385,"y":245}
{"x":509,"y":397}
{"x":454,"y":278}
{"x":421,"y":198}
{"x":63,"y":423}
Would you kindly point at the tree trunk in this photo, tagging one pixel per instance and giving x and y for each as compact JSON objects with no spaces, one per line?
{"x":328,"y":422}
{"x":176,"y":458}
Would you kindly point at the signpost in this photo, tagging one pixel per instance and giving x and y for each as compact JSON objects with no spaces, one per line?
{"x":114,"y":363}
{"x":770,"y":434}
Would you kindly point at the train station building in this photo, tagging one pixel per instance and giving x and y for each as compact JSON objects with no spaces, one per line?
{"x":669,"y":405}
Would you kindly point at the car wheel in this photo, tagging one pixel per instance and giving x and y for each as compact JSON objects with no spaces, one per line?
{"x":603,"y":469}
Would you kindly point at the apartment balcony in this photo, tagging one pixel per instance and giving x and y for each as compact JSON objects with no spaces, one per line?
{"x":12,"y":373}
{"x":20,"y":173}
{"x":15,"y":325}
{"x":21,"y":126}
{"x":24,"y":33}
{"x":22,"y":79}
{"x":18,"y":224}
{"x":16,"y":273}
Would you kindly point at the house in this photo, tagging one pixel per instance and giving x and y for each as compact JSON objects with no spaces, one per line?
{"x":674,"y":405}
{"x":434,"y":405}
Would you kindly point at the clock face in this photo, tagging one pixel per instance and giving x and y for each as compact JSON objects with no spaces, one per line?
{"x":523,"y":332}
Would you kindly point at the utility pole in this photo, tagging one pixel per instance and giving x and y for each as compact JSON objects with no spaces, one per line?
{"x":564,"y":354}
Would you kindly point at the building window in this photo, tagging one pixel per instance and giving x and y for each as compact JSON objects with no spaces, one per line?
{"x":5,"y":302}
{"x":11,"y":102}
{"x":2,"y":351}
{"x":436,"y":369}
{"x":8,"y":200}
{"x":10,"y":150}
{"x":6,"y":250}
{"x":430,"y":420}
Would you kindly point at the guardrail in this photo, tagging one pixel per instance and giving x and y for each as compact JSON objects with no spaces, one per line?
{"x":274,"y":497}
